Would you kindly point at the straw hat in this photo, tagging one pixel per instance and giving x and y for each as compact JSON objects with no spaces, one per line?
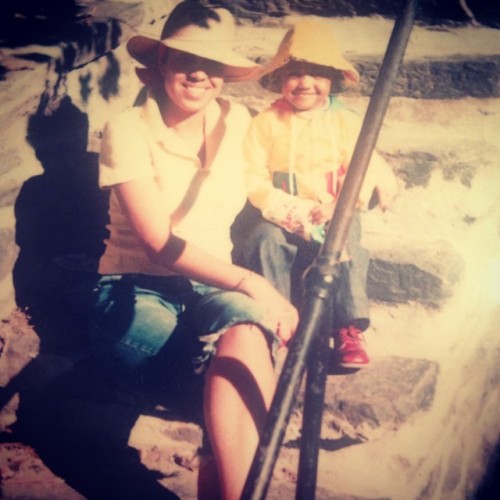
{"x":208,"y":33}
{"x":312,"y":41}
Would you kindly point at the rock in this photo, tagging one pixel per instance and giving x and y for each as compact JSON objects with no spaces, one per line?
{"x":21,"y":468}
{"x":19,"y":345}
{"x":453,"y":77}
{"x":171,"y":448}
{"x":8,"y":412}
{"x":431,"y":11}
{"x":405,"y":273}
{"x":394,"y":282}
{"x":9,"y":252}
{"x":380,"y":398}
{"x":85,"y":29}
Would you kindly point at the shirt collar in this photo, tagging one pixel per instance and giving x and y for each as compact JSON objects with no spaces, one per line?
{"x":160,"y":132}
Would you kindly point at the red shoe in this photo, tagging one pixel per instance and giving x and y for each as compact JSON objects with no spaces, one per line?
{"x":348,"y":351}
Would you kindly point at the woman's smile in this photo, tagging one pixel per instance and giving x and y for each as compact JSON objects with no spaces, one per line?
{"x":196,"y":90}
{"x":191,"y":82}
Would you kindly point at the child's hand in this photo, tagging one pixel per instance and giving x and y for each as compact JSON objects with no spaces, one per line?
{"x":385,"y":194}
{"x":321,"y":213}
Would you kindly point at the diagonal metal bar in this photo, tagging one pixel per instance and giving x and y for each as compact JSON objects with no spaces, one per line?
{"x":320,"y":282}
{"x":346,"y":204}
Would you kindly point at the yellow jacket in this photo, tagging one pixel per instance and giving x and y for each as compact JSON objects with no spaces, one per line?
{"x":293,"y":156}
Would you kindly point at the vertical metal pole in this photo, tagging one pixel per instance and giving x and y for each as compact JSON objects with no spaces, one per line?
{"x":336,"y":236}
{"x":312,"y":414}
{"x":321,"y":276}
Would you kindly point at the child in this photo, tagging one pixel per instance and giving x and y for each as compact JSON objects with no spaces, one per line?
{"x":298,"y":151}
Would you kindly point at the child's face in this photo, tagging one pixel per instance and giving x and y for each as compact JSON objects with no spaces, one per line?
{"x":305,"y":86}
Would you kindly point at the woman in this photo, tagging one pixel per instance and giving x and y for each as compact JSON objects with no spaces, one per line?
{"x":175,"y":169}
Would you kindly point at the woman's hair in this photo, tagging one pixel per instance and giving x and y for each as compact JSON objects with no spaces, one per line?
{"x":187,"y":13}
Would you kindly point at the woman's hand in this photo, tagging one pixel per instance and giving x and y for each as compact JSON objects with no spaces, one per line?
{"x":279,"y":308}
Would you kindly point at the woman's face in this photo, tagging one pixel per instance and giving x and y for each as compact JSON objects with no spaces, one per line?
{"x":191,"y":82}
{"x":305,"y":86}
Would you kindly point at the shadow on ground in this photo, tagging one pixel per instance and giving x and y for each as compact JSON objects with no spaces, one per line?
{"x":76,"y":419}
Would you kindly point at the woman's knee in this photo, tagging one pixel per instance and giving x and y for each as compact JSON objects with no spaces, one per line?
{"x":244,"y":359}
{"x":245,"y":340}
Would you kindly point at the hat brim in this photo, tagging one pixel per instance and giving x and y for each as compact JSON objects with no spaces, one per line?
{"x":236,"y":67}
{"x":270,"y":80}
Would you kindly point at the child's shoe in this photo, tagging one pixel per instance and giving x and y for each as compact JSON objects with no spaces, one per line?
{"x":348,"y":350}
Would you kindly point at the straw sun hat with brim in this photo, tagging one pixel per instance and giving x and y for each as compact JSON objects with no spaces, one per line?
{"x":311,"y":41}
{"x":211,"y":36}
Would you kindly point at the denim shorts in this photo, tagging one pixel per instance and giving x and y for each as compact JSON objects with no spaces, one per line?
{"x":140,"y":322}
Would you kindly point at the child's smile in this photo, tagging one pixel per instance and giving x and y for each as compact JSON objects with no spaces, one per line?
{"x":305,"y":86}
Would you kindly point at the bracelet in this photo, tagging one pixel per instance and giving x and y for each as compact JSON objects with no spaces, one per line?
{"x":242,"y":280}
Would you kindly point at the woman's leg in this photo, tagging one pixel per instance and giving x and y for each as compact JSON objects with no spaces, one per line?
{"x":131,"y":324}
{"x":239,"y":388}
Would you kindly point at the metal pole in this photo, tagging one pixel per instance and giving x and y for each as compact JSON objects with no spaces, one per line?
{"x":312,"y":414}
{"x":346,"y":204}
{"x":320,"y":279}
{"x":318,"y":285}
{"x":335,"y":239}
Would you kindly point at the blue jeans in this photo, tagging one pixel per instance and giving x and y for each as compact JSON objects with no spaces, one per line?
{"x":282,"y":258}
{"x":145,"y":327}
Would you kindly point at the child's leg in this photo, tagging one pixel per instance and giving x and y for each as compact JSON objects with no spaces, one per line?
{"x":239,"y":387}
{"x":270,"y":252}
{"x":351,"y":307}
{"x":351,"y":302}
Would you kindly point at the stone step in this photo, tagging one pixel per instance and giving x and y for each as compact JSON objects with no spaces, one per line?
{"x":464,"y":62}
{"x":434,"y":12}
{"x":366,"y":404}
{"x":438,"y":78}
{"x":439,"y":62}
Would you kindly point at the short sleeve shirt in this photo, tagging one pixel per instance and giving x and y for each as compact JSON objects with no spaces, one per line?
{"x":202,"y":200}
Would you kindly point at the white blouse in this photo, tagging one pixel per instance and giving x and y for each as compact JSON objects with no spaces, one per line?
{"x":202,"y":200}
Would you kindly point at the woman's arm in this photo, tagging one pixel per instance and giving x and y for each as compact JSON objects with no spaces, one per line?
{"x":143,"y":203}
